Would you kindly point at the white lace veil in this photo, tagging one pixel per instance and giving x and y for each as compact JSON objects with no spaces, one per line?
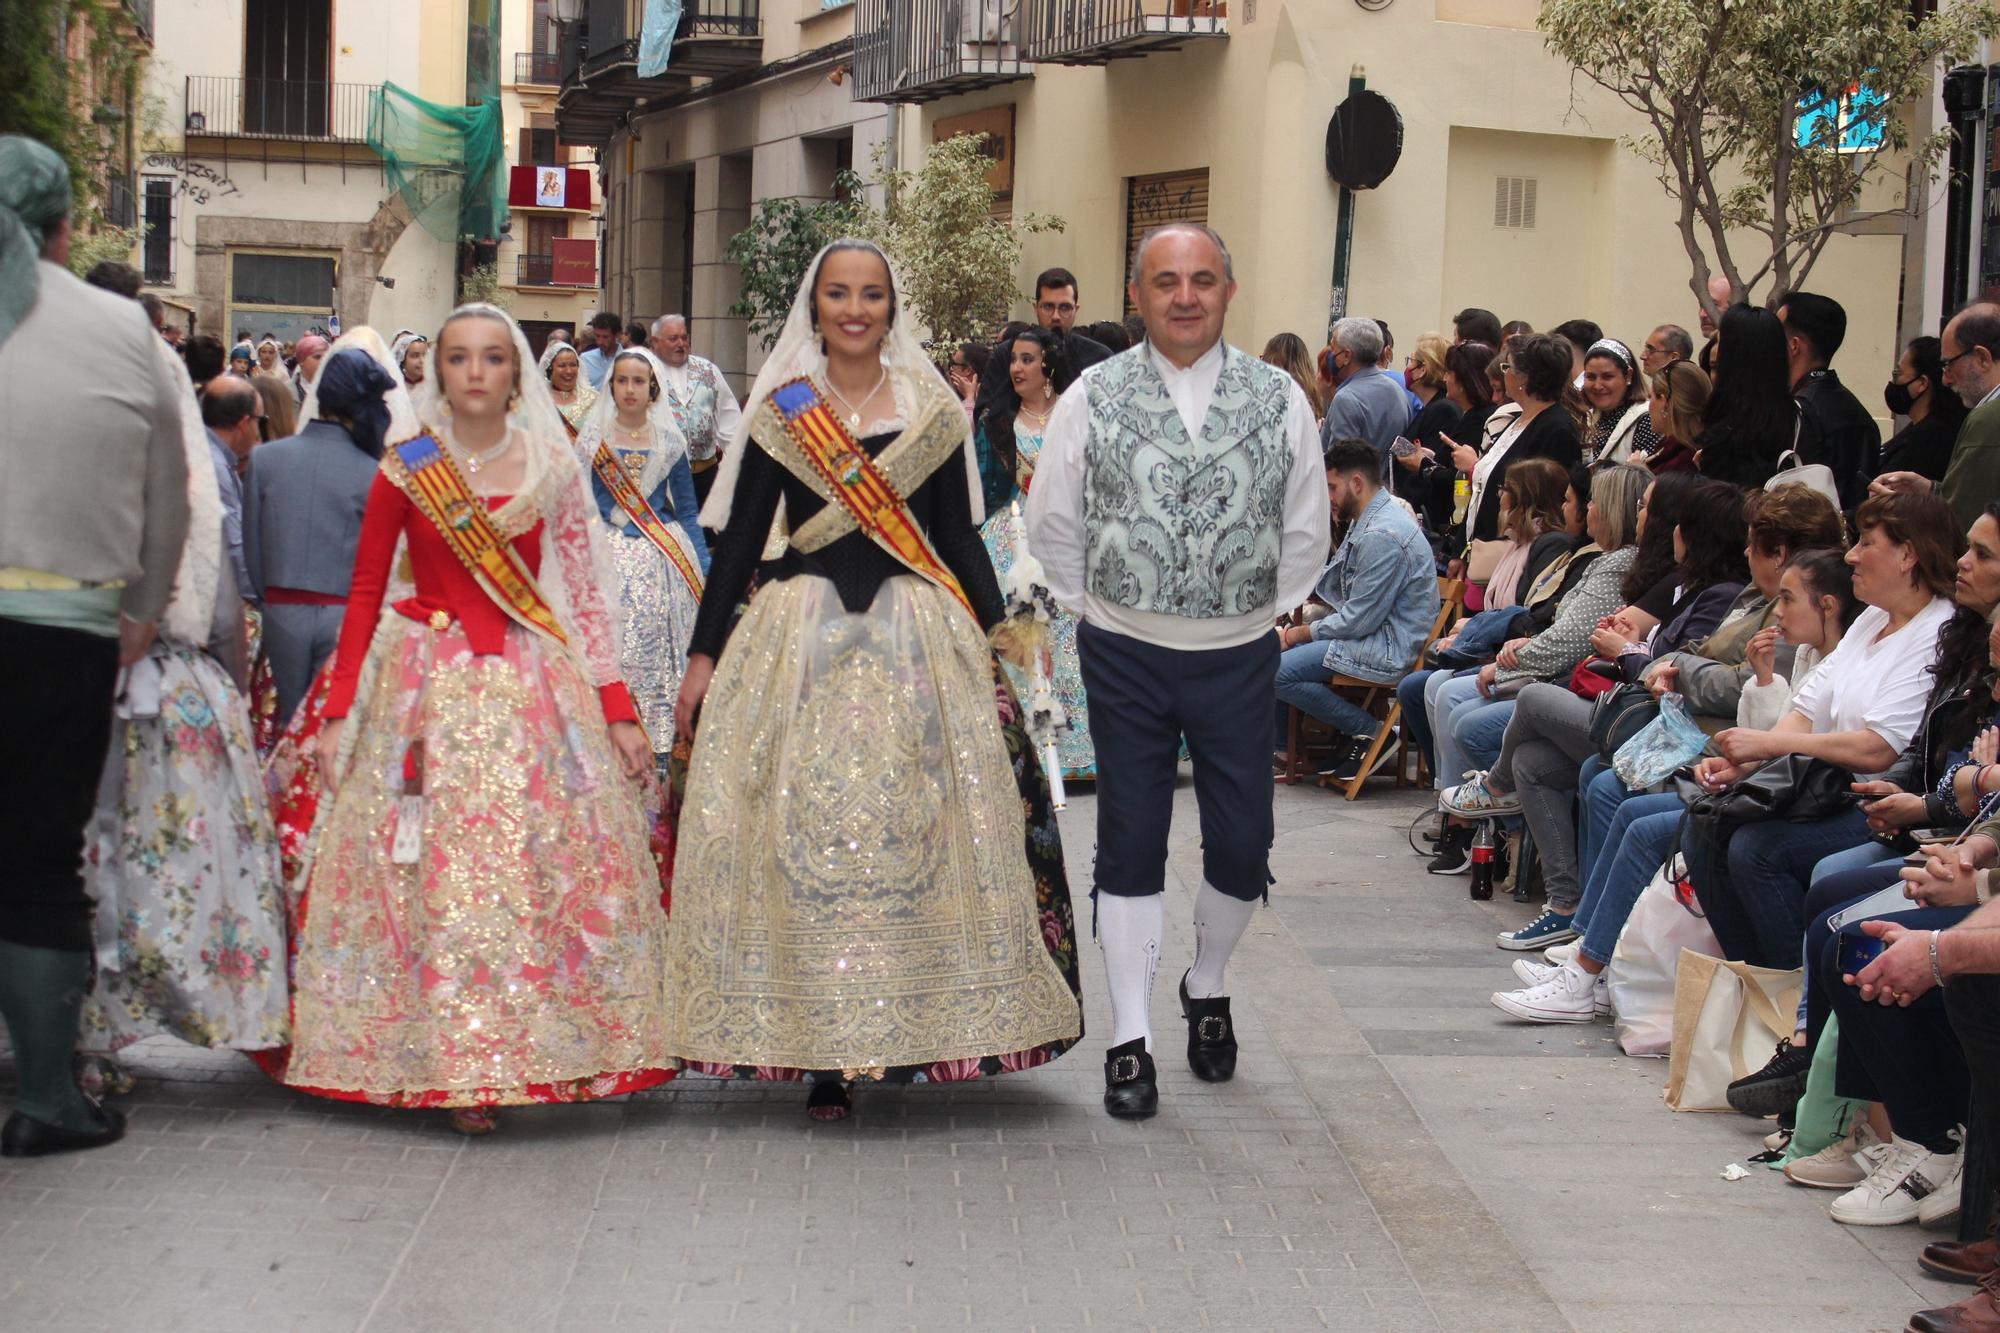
{"x":190,"y":613}
{"x":669,"y":445}
{"x":798,"y":351}
{"x":402,"y":412}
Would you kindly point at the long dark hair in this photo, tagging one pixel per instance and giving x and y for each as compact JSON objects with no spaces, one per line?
{"x":1715,"y":533}
{"x":993,"y":376}
{"x":1961,"y":642}
{"x":1927,"y":359}
{"x":999,"y":419}
{"x":1672,"y":494}
{"x":1467,"y":363}
{"x":1753,"y":387}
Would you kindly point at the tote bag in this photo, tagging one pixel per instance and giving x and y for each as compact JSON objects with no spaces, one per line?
{"x":1640,"y":976}
{"x":1727,"y":1017}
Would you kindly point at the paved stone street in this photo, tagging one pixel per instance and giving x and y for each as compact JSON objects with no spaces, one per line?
{"x":1391,"y":1155}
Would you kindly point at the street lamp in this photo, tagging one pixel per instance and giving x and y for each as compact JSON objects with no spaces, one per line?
{"x":568,"y":11}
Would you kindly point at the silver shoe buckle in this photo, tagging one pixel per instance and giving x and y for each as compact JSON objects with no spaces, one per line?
{"x":1124,"y":1068}
{"x":1211,"y":1029}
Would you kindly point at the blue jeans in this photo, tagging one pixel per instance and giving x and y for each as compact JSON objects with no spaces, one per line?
{"x":1754,"y":889}
{"x":1417,"y":721}
{"x":1468,"y":728}
{"x":1870,"y":853}
{"x":1302,"y":677}
{"x":1636,"y":846}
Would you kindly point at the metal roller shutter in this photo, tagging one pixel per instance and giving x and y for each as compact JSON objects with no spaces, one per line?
{"x":1151,"y":201}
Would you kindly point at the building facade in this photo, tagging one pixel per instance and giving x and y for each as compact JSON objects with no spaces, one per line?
{"x":1511,"y":192}
{"x":265,"y":209}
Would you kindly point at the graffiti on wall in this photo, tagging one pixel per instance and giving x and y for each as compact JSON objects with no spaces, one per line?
{"x":196,"y":181}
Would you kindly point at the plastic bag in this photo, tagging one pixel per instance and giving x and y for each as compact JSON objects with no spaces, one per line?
{"x":1640,"y":976}
{"x":1668,"y":742}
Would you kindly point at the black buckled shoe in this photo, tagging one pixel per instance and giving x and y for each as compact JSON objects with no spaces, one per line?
{"x":1211,"y":1037}
{"x":1131,"y":1087}
{"x":26,"y":1137}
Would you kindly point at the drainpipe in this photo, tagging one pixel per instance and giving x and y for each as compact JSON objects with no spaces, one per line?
{"x":1964,"y":100}
{"x":1343,"y":227}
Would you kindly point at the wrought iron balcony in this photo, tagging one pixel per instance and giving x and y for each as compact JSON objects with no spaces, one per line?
{"x":268,"y":108}
{"x":599,"y":62}
{"x":542,"y":67}
{"x":920,"y":50}
{"x":1093,"y":32}
{"x":543,"y":271}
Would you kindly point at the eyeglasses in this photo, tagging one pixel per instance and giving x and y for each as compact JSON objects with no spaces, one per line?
{"x":1653,"y":349}
{"x":1945,"y":364}
{"x":1053,"y":308}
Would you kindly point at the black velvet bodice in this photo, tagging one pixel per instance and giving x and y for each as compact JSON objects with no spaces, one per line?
{"x":854,"y":565}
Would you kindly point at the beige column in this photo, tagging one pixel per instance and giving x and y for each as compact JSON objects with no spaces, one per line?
{"x":721,"y":209}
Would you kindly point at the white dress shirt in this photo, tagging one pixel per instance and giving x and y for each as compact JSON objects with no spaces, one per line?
{"x":1057,"y":536}
{"x":728,"y":412}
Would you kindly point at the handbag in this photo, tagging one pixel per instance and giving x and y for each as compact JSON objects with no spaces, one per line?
{"x":1640,"y":975}
{"x":1793,"y":786}
{"x":1727,"y":1016}
{"x":1483,"y":557}
{"x":1588,"y":682}
{"x":1618,"y":715}
{"x":1813,"y":476}
{"x":1670,"y":740}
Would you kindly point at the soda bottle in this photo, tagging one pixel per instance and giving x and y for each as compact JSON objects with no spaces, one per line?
{"x":1482,"y":861}
{"x":1461,"y":497}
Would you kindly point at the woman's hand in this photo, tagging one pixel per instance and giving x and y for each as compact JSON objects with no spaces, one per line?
{"x":629,"y":744}
{"x":1891,"y":808}
{"x":1487,"y":675}
{"x":1986,"y":746}
{"x":1464,"y":457}
{"x":1762,"y":654}
{"x":329,"y":754}
{"x":1509,"y":655}
{"x":694,"y":688}
{"x":1454,"y":569}
{"x":1663,"y":680}
{"x":1444,"y":645}
{"x":1944,"y":880}
{"x":1608,"y":641}
{"x":1714,"y":773}
{"x":1742,"y":745}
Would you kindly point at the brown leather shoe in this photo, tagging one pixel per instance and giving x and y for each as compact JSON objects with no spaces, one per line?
{"x":1977,"y":1313}
{"x":1960,"y":1260}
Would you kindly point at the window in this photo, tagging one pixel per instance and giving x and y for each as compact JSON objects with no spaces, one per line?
{"x":286,"y":294}
{"x":537,"y":142}
{"x":1153,"y":201}
{"x":1514,"y":202}
{"x":542,"y":230}
{"x":159,"y":242}
{"x":285,"y":72}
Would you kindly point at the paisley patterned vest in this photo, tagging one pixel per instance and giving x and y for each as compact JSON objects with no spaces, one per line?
{"x":1185,"y":527}
{"x":695,"y":414}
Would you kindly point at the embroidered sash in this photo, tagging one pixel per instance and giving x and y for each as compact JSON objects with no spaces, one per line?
{"x":619,"y":482}
{"x":428,"y":476}
{"x":858,"y":484}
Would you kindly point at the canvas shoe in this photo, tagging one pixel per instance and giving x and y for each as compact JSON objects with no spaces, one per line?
{"x":1777,"y":1086}
{"x":1840,"y":1165}
{"x":1563,"y":953}
{"x":1348,"y":766}
{"x":1474,"y":798}
{"x":1894,"y":1193}
{"x":1534,"y":974}
{"x":1454,"y":852}
{"x":1550,"y":927}
{"x":1568,"y":996}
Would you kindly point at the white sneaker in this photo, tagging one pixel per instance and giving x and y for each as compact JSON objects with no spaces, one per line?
{"x":1840,"y":1165}
{"x":1894,"y":1193}
{"x":1475,"y":798}
{"x":1563,"y":953}
{"x":1534,"y":974}
{"x":1569,"y":995}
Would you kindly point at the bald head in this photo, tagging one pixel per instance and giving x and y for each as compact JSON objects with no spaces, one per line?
{"x":1971,"y":351}
{"x":1720,"y":292}
{"x":231,"y":409}
{"x":670,"y":340}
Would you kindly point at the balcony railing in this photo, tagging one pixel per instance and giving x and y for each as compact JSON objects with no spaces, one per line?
{"x":537,"y":67}
{"x":1091,"y":32}
{"x":599,"y":61}
{"x":267,"y":108}
{"x":918,"y":50}
{"x":540,"y":271}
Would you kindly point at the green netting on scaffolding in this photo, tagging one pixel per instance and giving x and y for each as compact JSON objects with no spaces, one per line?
{"x":444,"y":160}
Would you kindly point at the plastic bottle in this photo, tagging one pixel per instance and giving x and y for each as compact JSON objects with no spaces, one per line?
{"x":1482,"y":861}
{"x":1461,"y":497}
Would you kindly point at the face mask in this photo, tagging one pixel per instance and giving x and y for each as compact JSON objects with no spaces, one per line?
{"x":1897,"y":398}
{"x":1409,"y":378}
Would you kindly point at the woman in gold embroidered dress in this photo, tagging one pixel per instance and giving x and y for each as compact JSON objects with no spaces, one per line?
{"x":481,"y":922}
{"x":563,"y":369}
{"x":857,"y":893}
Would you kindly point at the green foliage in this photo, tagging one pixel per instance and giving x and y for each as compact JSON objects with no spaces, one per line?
{"x":40,"y":91}
{"x":483,"y":284}
{"x":958,"y":262}
{"x":87,"y":249}
{"x":1720,"y":83}
{"x":772,"y":253}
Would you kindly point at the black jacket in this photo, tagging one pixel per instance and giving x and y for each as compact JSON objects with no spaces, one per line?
{"x":1923,"y":446}
{"x":1835,"y":429}
{"x":1553,"y":435}
{"x":1084,"y":352}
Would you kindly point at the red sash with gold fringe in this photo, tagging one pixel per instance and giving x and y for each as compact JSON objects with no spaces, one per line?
{"x":616,"y":480}
{"x":427,"y":475}
{"x":858,"y":484}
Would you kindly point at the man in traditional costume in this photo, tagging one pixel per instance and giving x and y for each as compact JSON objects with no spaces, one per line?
{"x":1179,"y":505}
{"x":704,"y":407}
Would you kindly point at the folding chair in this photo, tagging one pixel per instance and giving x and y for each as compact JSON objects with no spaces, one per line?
{"x":1371,"y":696}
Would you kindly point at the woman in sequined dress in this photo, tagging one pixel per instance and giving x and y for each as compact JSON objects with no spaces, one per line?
{"x":1008,"y":440}
{"x":656,"y":598}
{"x":481,"y":922}
{"x":563,"y":369}
{"x":857,"y":893}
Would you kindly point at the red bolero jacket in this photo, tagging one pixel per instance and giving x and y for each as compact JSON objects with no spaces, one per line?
{"x":443,"y":584}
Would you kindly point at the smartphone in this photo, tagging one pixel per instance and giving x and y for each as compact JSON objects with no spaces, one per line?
{"x":1857,"y":952}
{"x":1403,"y":447}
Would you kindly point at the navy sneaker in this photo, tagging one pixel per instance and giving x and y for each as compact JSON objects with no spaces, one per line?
{"x":1546,"y":929}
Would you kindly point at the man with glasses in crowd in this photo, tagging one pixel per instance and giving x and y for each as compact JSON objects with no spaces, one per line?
{"x":1664,"y":346}
{"x":1971,"y":353}
{"x":1055,"y":310}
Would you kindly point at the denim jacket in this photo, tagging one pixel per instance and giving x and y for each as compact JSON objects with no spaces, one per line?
{"x":1382,"y":586}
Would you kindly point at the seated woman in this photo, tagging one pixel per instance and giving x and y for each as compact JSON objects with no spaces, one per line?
{"x":1858,"y":713}
{"x":1680,"y":393}
{"x":1470,"y":712}
{"x":1548,"y":737}
{"x":1618,"y":428}
{"x":1918,"y":391}
{"x":1815,"y":605}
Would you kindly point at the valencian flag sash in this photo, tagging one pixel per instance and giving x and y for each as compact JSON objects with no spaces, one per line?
{"x":858,"y":484}
{"x":440,"y":493}
{"x":619,"y":482}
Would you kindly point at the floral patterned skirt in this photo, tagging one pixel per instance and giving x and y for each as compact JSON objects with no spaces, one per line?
{"x":183,"y":864}
{"x":518,"y":955}
{"x":1073,"y":748}
{"x":869,"y":880}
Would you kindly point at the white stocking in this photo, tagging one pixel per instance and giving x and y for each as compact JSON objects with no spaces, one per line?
{"x":1219,"y":921}
{"x":1129,"y":931}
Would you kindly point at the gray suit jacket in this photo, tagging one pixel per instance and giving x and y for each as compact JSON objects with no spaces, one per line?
{"x":302,"y":507}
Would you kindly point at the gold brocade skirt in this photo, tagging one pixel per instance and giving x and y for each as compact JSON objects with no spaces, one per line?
{"x":851,"y":890}
{"x":521,"y":956}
